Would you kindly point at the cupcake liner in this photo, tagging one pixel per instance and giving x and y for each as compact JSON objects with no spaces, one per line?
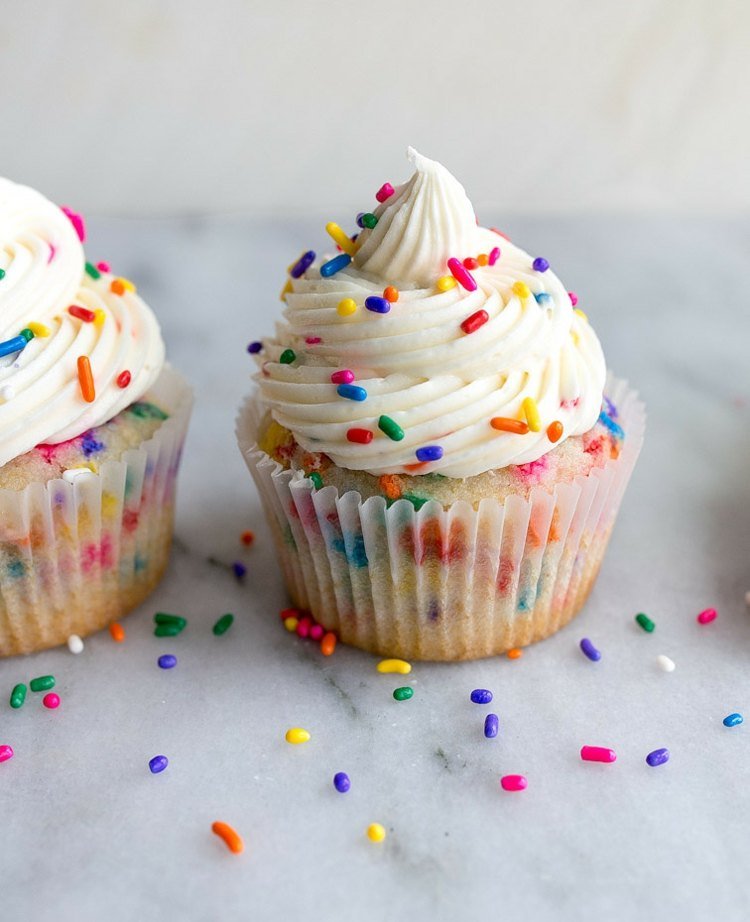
{"x":77,"y":556}
{"x":442,"y":584}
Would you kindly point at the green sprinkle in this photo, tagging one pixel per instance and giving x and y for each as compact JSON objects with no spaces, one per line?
{"x":27,"y":334}
{"x":2,"y":274}
{"x":147,"y":411}
{"x":42,"y":683}
{"x":369,"y":220}
{"x":161,"y":617}
{"x":168,"y":630}
{"x":416,"y":501}
{"x":18,"y":695}
{"x":316,"y":479}
{"x":287,"y":357}
{"x":93,"y":271}
{"x":223,"y":624}
{"x":391,"y":428}
{"x":403,"y":693}
{"x":645,"y":622}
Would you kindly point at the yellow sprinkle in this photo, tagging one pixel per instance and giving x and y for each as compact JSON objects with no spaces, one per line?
{"x":297,"y":735}
{"x":446,"y":282}
{"x":99,"y":318}
{"x":574,"y":336}
{"x":291,"y":623}
{"x":375,"y":832}
{"x":346,"y":243}
{"x":581,"y":314}
{"x":38,"y":329}
{"x":521,"y":289}
{"x":346,"y":307}
{"x":394,"y":665}
{"x":531,"y":412}
{"x":110,"y":504}
{"x":285,"y":290}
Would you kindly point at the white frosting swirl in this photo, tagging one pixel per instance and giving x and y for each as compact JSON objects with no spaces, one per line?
{"x":40,"y":394}
{"x":418,"y":366}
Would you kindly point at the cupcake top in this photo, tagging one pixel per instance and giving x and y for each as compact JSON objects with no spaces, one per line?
{"x":429,"y":344}
{"x":77,"y":345}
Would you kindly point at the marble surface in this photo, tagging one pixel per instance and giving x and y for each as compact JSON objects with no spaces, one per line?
{"x":89,"y":833}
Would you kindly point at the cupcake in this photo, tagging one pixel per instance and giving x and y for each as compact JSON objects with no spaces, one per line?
{"x":438,"y":446}
{"x":92,"y":424}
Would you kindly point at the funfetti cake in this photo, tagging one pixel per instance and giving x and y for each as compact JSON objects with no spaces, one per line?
{"x":438,"y":447}
{"x":91,"y":429}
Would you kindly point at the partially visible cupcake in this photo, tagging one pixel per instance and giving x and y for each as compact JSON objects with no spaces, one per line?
{"x":92,"y":424}
{"x":434,"y":437}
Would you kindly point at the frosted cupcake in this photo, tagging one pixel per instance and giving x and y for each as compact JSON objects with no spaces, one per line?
{"x":91,"y":429}
{"x":437,"y":445}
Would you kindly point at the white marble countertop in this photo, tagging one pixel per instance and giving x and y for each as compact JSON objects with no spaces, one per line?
{"x":86,"y":832}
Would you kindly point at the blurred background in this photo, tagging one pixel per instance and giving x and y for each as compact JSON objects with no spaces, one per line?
{"x":279,"y":108}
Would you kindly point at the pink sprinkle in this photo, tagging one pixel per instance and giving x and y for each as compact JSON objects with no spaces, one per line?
{"x":102,"y":266}
{"x":573,"y":298}
{"x":598,"y":754}
{"x":707,"y":616}
{"x":513,"y":783}
{"x":76,"y":220}
{"x":342,"y":377}
{"x":52,"y":252}
{"x":6,"y":752}
{"x":500,"y":233}
{"x":303,"y":627}
{"x":494,"y":256}
{"x":313,"y":340}
{"x":384,"y":192}
{"x":462,"y":275}
{"x":52,"y":701}
{"x":316,"y":632}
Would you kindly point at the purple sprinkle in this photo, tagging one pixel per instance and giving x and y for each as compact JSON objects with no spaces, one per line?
{"x":657,"y":757}
{"x":377,"y":304}
{"x":590,"y":650}
{"x":540,"y":264}
{"x":611,"y":408}
{"x":491,"y":726}
{"x":481,"y":696}
{"x":254,"y":347}
{"x":303,"y":264}
{"x":158,"y":764}
{"x":341,"y":782}
{"x":239,"y":569}
{"x":360,"y":215}
{"x":429,"y":453}
{"x":167,"y":661}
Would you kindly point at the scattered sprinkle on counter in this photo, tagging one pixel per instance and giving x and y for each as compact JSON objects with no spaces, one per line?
{"x":157,"y":764}
{"x":247,"y":537}
{"x":223,"y":624}
{"x":6,"y":752}
{"x":589,"y":650}
{"x":51,"y":700}
{"x":657,"y":757}
{"x":239,"y":569}
{"x":328,"y":644}
{"x":707,"y":616}
{"x":117,"y":632}
{"x":645,"y":622}
{"x":665,"y":663}
{"x":491,"y":726}
{"x":18,"y":696}
{"x":75,"y":644}
{"x":515,"y":653}
{"x":231,"y":838}
{"x":481,"y":696}
{"x":297,"y":735}
{"x":513,"y":783}
{"x":733,"y":720}
{"x":167,"y":661}
{"x":598,"y":754}
{"x":376,"y":832}
{"x":42,"y":683}
{"x":254,"y":347}
{"x":342,"y":782}
{"x":404,"y":693}
{"x":394,"y":665}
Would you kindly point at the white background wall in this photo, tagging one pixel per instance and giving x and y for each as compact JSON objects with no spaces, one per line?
{"x":150,"y":106}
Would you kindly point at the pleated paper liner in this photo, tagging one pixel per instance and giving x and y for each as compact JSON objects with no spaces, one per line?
{"x":76,"y":556}
{"x":443,"y":584}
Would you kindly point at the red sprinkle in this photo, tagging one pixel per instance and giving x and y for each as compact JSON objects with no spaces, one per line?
{"x":289,"y":613}
{"x":461,"y":275}
{"x":313,"y":340}
{"x":82,"y":313}
{"x":363,"y":436}
{"x":384,"y":192}
{"x":494,"y":256}
{"x":707,"y":616}
{"x":472,"y":324}
{"x":247,"y":537}
{"x":124,"y":378}
{"x":471,"y":263}
{"x":499,"y":233}
{"x":342,"y":377}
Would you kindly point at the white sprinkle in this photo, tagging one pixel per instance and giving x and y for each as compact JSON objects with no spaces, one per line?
{"x":7,"y":392}
{"x":73,"y":473}
{"x":75,"y":644}
{"x":665,"y":663}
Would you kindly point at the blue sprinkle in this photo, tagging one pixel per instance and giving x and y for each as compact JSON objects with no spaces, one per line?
{"x":590,"y":650}
{"x":429,"y":453}
{"x":335,"y":265}
{"x":158,"y":764}
{"x":657,"y":757}
{"x":351,"y":392}
{"x":16,"y":569}
{"x":481,"y":696}
{"x":303,"y":264}
{"x":167,"y":661}
{"x":611,"y":408}
{"x":613,"y":427}
{"x":543,"y":299}
{"x":733,"y":720}
{"x":140,"y":563}
{"x":540,"y":264}
{"x":341,"y":782}
{"x":254,"y":347}
{"x":90,"y":445}
{"x":239,"y":569}
{"x":360,"y":215}
{"x":17,"y":344}
{"x":377,"y":304}
{"x":491,"y":726}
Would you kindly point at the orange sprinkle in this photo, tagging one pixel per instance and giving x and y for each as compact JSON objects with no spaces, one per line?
{"x":328,"y":643}
{"x":117,"y":631}
{"x":117,"y":287}
{"x":554,"y":431}
{"x":231,"y":837}
{"x":390,"y":485}
{"x":391,"y":294}
{"x":483,"y":259}
{"x":505,"y":424}
{"x":247,"y":538}
{"x":515,"y":653}
{"x":417,"y":466}
{"x":86,"y":379}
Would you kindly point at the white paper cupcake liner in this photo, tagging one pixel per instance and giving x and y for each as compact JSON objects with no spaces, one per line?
{"x":76,"y":556}
{"x":442,"y":584}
